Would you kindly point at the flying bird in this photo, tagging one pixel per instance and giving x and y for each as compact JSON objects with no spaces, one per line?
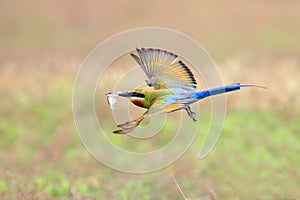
{"x":175,"y":87}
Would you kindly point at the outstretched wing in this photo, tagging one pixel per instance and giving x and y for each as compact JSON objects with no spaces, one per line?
{"x":164,"y":69}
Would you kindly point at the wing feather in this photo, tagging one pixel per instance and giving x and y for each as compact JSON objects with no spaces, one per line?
{"x":164,"y":105}
{"x":164,"y":69}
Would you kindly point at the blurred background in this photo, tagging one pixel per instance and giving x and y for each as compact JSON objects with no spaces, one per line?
{"x":43,"y":44}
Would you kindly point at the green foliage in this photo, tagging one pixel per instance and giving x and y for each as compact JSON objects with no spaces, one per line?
{"x":10,"y":132}
{"x":58,"y":189}
{"x":3,"y":187}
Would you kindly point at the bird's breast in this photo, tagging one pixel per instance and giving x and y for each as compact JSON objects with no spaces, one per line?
{"x":138,"y":102}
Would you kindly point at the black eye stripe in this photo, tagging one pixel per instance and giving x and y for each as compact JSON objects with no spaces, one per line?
{"x":136,"y":94}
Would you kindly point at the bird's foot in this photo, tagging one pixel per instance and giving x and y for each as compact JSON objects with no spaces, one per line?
{"x":190,"y":113}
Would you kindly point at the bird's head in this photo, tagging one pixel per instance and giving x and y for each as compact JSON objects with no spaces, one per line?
{"x":137,"y":97}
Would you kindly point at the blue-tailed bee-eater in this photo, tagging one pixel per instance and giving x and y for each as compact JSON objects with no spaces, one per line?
{"x":174,"y":87}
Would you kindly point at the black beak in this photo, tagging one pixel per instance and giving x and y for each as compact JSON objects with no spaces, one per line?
{"x":119,"y":93}
{"x":125,"y":94}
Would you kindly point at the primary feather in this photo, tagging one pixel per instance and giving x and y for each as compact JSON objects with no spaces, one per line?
{"x":164,"y":69}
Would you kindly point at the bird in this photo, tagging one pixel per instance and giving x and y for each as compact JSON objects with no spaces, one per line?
{"x":175,"y":87}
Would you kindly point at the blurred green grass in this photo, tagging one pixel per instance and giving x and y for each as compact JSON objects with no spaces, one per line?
{"x":256,"y":156}
{"x":43,"y":45}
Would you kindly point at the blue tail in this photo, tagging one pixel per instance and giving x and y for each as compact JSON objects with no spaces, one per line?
{"x":222,"y":89}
